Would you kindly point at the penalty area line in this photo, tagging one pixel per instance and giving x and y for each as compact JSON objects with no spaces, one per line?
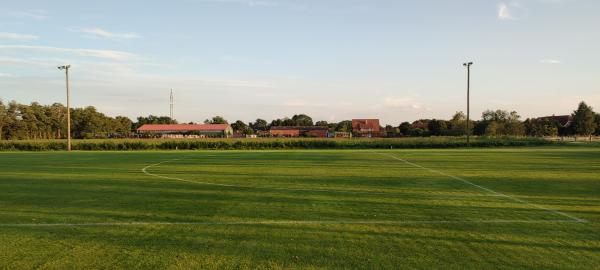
{"x":575,"y":219}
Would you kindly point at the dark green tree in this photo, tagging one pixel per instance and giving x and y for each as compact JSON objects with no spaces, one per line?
{"x":216,"y":120}
{"x":437,"y":127}
{"x":405,"y":128}
{"x":301,"y":120}
{"x":4,"y":119}
{"x":239,"y":126}
{"x":321,"y":123}
{"x":597,"y":121}
{"x":344,"y":126}
{"x":583,"y":120}
{"x":151,"y":119}
{"x":259,"y":124}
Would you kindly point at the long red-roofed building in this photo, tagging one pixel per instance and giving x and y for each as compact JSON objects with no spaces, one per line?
{"x":179,"y":130}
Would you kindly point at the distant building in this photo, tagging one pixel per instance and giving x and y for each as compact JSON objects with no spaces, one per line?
{"x":563,"y":120}
{"x":366,"y":128}
{"x":339,"y":134}
{"x":420,"y":124}
{"x":291,"y":131}
{"x":187,"y":130}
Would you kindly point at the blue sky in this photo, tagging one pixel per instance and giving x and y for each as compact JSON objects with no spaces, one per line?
{"x":334,"y":60}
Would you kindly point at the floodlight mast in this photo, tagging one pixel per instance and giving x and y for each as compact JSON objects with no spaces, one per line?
{"x":171,"y":106}
{"x":468,"y":66}
{"x":66,"y":68}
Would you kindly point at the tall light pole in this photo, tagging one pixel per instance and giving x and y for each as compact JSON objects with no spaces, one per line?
{"x":171,"y":106}
{"x":66,"y":68}
{"x":468,"y":66}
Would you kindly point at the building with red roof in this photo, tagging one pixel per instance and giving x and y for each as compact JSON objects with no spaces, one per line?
{"x":187,"y":130}
{"x":366,"y":128}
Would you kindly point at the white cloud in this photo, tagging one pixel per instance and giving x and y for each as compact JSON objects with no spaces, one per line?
{"x":550,"y":61}
{"x":293,"y":5}
{"x":4,"y":75}
{"x":250,"y":3}
{"x":106,"y":54}
{"x":296,"y":103}
{"x":504,"y":12}
{"x":15,"y":36}
{"x":405,"y":103}
{"x":36,"y":14}
{"x":101,"y":33}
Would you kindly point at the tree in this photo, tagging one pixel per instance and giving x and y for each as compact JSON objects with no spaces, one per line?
{"x":497,"y":115}
{"x":36,"y":121}
{"x":457,"y":126}
{"x":500,"y":122}
{"x":583,"y":120}
{"x":417,"y":132}
{"x":16,"y":128}
{"x":344,"y":126}
{"x":259,"y":124}
{"x":58,"y":115}
{"x":540,"y":127}
{"x":321,"y":123}
{"x":302,"y":120}
{"x":239,"y":126}
{"x":276,"y":123}
{"x":492,"y":129}
{"x":123,"y":125}
{"x":151,"y":119}
{"x":513,"y":126}
{"x":597,"y":121}
{"x":437,"y":127}
{"x":391,"y":131}
{"x":405,"y":128}
{"x":216,"y":120}
{"x":3,"y":118}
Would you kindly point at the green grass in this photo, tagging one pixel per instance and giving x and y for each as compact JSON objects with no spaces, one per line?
{"x":310,"y":209}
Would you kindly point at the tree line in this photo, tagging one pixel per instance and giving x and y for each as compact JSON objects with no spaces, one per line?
{"x":36,"y":121}
{"x":584,"y":122}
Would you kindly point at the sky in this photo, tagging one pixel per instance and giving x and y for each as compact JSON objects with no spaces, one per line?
{"x":331,"y":59}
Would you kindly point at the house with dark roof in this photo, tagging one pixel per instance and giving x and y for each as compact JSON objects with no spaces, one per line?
{"x":186,"y":130}
{"x":563,"y":120}
{"x":368,"y":128}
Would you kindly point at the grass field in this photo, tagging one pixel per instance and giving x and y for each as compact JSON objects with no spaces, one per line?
{"x":507,"y":208}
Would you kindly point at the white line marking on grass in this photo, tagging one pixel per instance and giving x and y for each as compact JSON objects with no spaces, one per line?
{"x":145,"y":171}
{"x":489,"y":190}
{"x":286,"y":222}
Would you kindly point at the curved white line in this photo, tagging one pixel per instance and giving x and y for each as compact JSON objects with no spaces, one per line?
{"x":145,"y":171}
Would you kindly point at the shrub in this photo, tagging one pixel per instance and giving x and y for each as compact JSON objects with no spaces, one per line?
{"x":267,"y":143}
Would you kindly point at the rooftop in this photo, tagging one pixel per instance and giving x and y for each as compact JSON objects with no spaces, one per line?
{"x":183,"y":127}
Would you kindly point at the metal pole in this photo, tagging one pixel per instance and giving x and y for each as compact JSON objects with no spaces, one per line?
{"x":68,"y":110}
{"x":171,"y":106}
{"x":66,"y":68}
{"x":468,"y":66}
{"x":468,"y":101}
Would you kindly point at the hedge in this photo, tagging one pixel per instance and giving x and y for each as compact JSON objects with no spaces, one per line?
{"x":267,"y":143}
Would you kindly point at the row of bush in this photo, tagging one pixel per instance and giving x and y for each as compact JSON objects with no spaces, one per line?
{"x":239,"y":144}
